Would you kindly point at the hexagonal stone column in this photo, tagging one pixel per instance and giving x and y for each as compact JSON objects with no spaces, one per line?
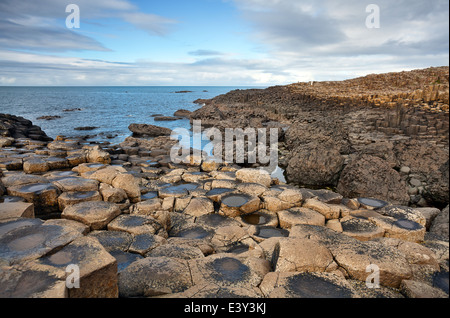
{"x":44,"y":196}
{"x":97,"y":268}
{"x":95,"y":214}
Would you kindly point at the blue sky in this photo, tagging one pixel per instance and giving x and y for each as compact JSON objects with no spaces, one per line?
{"x":216,"y":42}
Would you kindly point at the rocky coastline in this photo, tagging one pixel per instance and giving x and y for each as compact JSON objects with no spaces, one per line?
{"x":135,"y":224}
{"x":382,"y":136}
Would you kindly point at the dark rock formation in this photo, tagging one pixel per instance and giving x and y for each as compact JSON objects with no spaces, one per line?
{"x":18,"y":127}
{"x":149,"y":130}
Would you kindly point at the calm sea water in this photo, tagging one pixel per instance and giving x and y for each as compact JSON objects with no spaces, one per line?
{"x":112,"y":109}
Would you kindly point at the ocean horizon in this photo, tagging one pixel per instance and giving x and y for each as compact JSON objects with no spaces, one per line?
{"x":111,"y":109}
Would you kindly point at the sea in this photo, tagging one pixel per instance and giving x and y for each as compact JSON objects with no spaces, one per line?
{"x":110,"y":109}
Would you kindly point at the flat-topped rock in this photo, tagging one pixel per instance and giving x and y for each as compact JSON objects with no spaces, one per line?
{"x":22,"y":179}
{"x":149,"y":130}
{"x":199,"y":206}
{"x":355,"y":256}
{"x":225,"y":270}
{"x":155,"y":276}
{"x":19,"y":243}
{"x":35,"y":165}
{"x":215,"y":221}
{"x":95,"y":214}
{"x":72,"y":198}
{"x":63,"y":145}
{"x":144,"y":243}
{"x":12,"y":210}
{"x":113,"y":240}
{"x":235,"y":204}
{"x":177,"y":191}
{"x":174,"y":251}
{"x":75,"y":184}
{"x":306,"y":285}
{"x":361,"y":229}
{"x":254,"y":176}
{"x":32,"y":281}
{"x":98,"y":269}
{"x":136,"y":224}
{"x":260,"y":218}
{"x":44,"y":196}
{"x":129,"y":184}
{"x":295,"y":216}
{"x":87,"y":167}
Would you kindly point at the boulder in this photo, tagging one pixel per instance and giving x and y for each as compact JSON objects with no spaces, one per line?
{"x":315,"y":164}
{"x":440,"y":224}
{"x":369,"y":176}
{"x":182,"y":113}
{"x":149,"y":130}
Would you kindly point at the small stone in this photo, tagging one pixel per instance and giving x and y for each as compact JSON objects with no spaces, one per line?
{"x":405,"y":170}
{"x":301,"y":255}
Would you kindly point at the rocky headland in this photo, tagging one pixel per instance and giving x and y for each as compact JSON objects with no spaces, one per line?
{"x":383,"y":136}
{"x":136,"y":224}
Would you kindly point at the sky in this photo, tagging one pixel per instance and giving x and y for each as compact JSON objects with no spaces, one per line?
{"x":216,"y":42}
